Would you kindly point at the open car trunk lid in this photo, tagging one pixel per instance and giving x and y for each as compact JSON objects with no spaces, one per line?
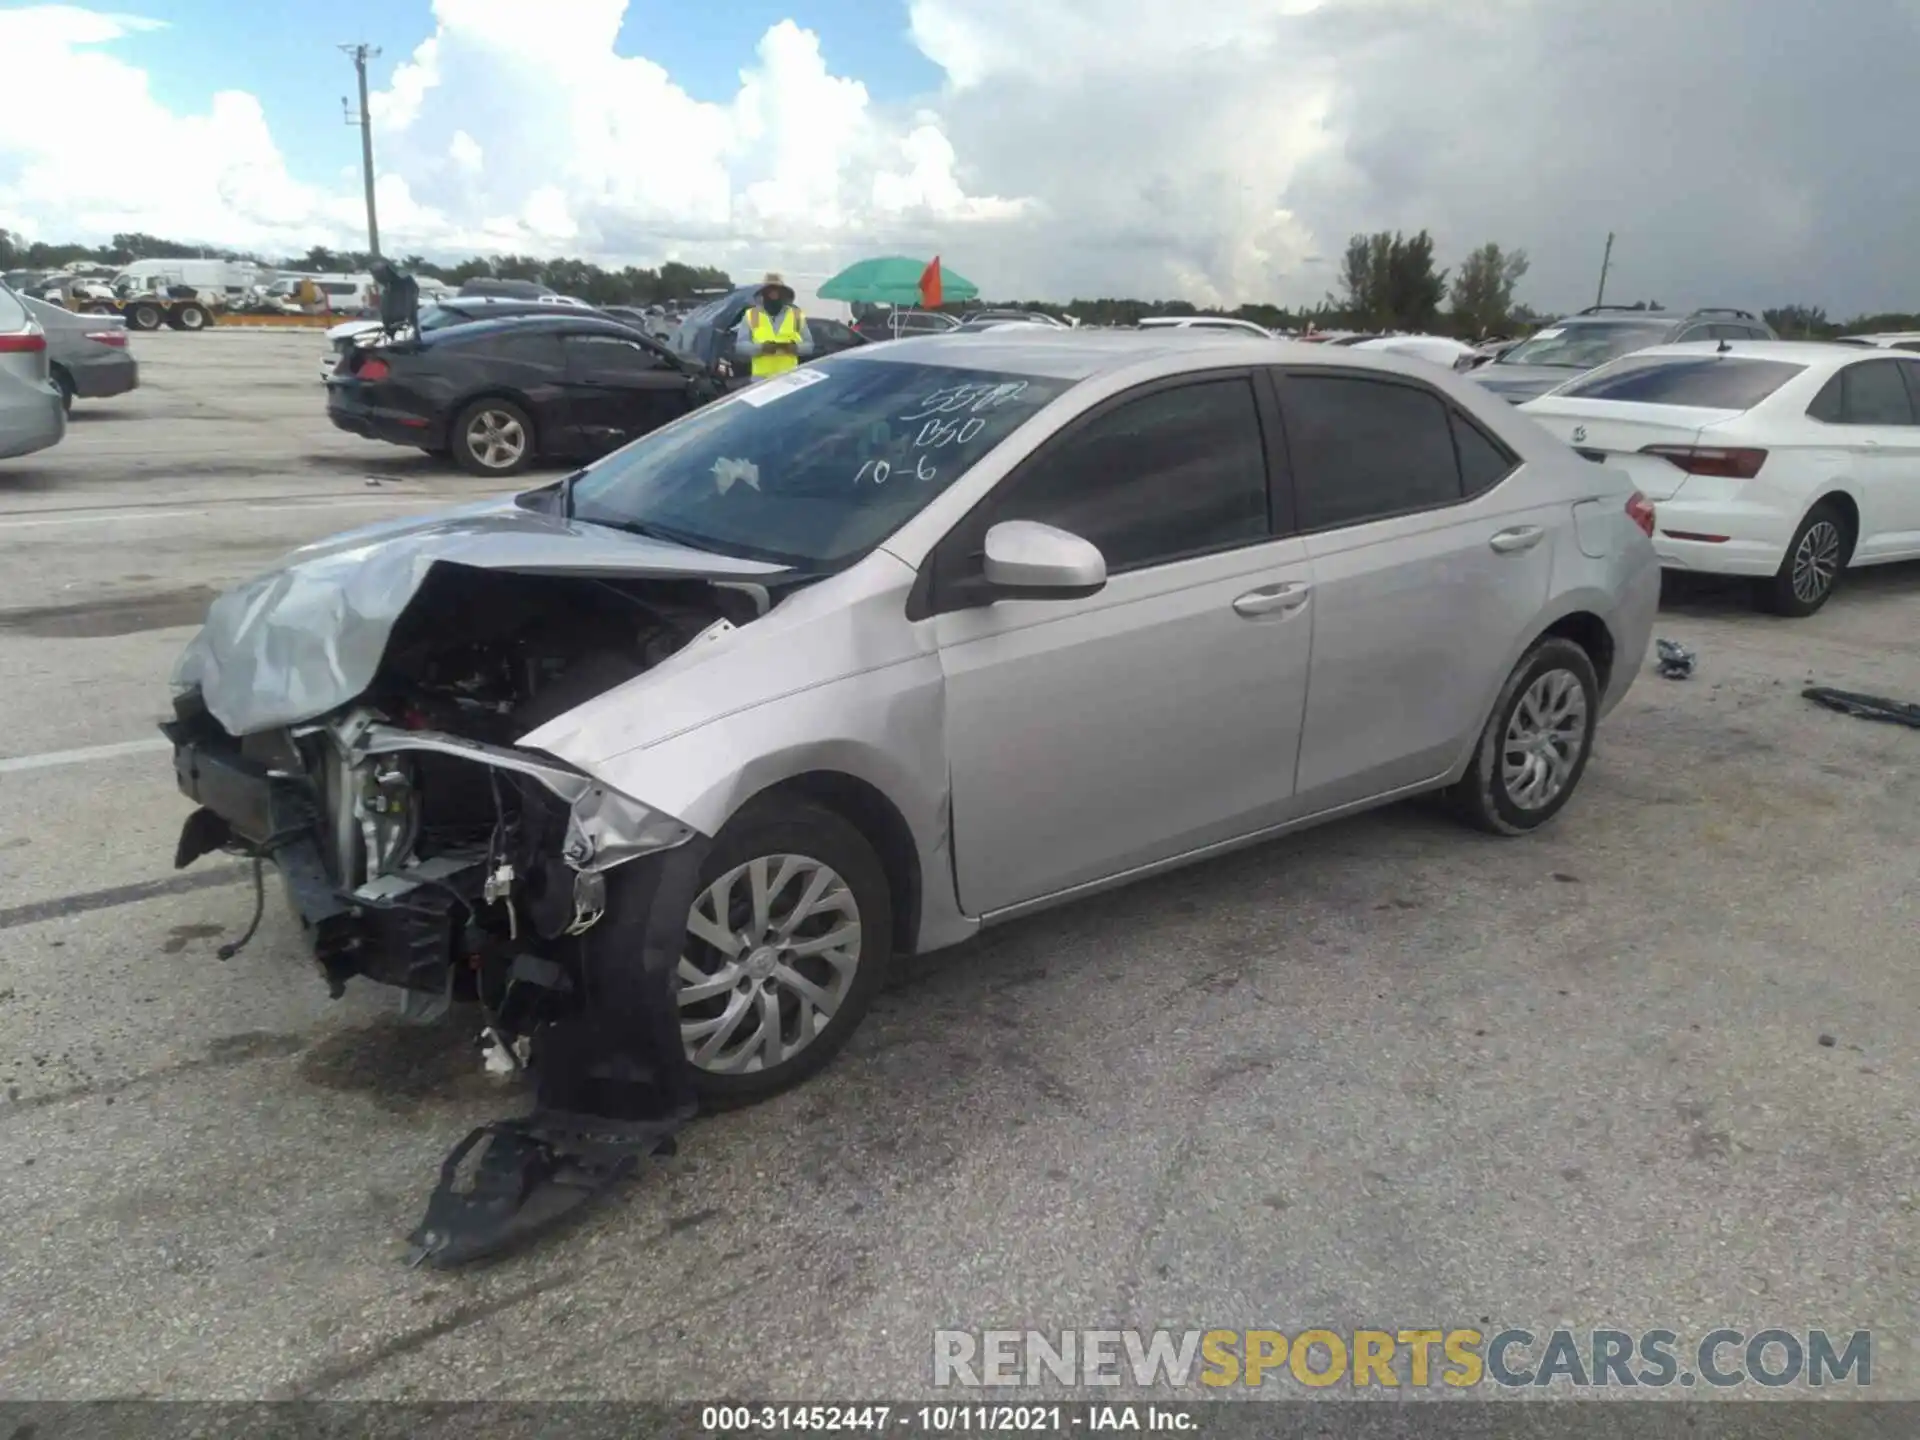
{"x":1614,"y":432}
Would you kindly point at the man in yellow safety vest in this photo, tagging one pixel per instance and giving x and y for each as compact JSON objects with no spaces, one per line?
{"x":775,"y":330}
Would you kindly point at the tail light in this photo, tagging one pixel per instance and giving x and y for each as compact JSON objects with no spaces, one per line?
{"x":31,"y":343}
{"x":1640,"y":511}
{"x":1711,"y":460}
{"x":374,"y":370}
{"x":116,"y":338}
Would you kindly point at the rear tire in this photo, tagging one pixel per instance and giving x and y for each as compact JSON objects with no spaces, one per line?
{"x":64,"y":382}
{"x":775,"y":964}
{"x":191,"y":318}
{"x":1815,"y":558}
{"x":1536,"y":744}
{"x":492,"y":438}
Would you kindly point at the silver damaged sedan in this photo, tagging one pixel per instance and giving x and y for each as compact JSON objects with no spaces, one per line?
{"x":661,"y":763}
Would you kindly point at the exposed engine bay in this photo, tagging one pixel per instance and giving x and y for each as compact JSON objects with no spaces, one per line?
{"x":422,"y":848}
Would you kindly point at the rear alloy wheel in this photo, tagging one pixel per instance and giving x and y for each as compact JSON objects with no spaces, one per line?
{"x":785,"y":947}
{"x":1815,"y":557}
{"x":1535,"y":747}
{"x":493,"y":437}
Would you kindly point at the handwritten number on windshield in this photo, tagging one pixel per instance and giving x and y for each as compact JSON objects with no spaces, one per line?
{"x":974,"y":399}
{"x":879,"y":471}
{"x":937,"y":432}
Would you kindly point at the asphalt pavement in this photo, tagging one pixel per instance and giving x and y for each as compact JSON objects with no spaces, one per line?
{"x":1656,"y":1067}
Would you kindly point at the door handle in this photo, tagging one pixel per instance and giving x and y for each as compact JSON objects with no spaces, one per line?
{"x":1269,"y":599}
{"x":1520,"y":537}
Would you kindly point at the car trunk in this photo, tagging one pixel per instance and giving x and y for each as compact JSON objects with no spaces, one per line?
{"x":1615,"y":432}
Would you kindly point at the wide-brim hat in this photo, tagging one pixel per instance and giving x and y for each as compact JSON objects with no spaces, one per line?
{"x":774,"y":282}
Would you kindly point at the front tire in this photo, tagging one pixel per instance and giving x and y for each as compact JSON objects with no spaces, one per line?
{"x":1815,"y":557}
{"x":1536,"y":744}
{"x":493,"y":438}
{"x":143,"y":317}
{"x":787,"y":942}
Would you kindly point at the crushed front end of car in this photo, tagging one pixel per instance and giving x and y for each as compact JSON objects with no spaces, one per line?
{"x":352,"y":720}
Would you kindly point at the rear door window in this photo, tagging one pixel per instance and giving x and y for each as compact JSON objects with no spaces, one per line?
{"x":1484,"y":461}
{"x":1366,"y":449}
{"x":1712,"y":382}
{"x":1872,"y":393}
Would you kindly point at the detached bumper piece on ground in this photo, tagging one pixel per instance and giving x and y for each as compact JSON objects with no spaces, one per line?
{"x":1865,"y":707}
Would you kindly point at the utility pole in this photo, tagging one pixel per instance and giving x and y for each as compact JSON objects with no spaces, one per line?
{"x":1606,"y":260}
{"x":360,"y":54}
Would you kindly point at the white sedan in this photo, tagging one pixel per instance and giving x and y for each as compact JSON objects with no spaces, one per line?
{"x":1781,"y":461}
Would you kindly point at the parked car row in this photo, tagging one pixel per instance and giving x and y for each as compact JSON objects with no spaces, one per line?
{"x":49,"y":357}
{"x":1782,"y":463}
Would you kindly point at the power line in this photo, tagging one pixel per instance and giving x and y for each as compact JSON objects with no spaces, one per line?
{"x":360,"y":54}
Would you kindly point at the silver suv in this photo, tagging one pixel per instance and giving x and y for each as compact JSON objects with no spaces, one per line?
{"x":32,"y":416}
{"x":1570,"y":346}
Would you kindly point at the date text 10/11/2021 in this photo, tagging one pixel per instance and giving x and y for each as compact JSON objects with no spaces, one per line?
{"x":945,"y":1419}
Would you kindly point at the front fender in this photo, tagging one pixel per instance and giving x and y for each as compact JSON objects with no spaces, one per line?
{"x":885,"y":727}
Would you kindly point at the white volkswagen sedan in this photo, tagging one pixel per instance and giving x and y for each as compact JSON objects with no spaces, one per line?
{"x":1781,"y":461}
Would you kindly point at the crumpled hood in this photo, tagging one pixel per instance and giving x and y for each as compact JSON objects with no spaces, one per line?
{"x":1521,"y":382}
{"x":307,"y":636}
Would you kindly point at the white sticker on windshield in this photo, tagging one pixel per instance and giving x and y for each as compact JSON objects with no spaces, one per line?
{"x":725,"y":472}
{"x":765,"y":392}
{"x":1548,"y":334}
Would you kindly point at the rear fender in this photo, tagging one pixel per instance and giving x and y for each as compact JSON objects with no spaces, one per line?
{"x":1629,"y":636}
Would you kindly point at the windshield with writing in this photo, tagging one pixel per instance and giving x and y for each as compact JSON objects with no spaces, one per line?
{"x":813,"y":468}
{"x":1575,"y":346}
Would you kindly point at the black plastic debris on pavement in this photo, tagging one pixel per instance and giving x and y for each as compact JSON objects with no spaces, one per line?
{"x":1675,"y":660}
{"x":1865,"y":707}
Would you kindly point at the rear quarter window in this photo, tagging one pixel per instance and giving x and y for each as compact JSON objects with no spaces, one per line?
{"x":1713,"y":382}
{"x":13,"y":315}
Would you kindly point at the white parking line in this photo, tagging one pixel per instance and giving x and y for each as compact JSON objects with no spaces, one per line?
{"x":199,"y":512}
{"x":52,"y":758}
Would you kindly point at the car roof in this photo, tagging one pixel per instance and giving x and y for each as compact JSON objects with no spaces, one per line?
{"x":1064,"y":354}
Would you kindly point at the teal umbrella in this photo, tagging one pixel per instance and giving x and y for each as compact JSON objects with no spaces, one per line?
{"x":893,"y":280}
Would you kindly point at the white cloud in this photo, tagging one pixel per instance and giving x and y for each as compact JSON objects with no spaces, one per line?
{"x":119,"y":160}
{"x":1752,"y":149}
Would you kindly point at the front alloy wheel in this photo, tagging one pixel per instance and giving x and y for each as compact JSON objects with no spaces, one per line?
{"x":778,"y":946}
{"x":784,"y":950}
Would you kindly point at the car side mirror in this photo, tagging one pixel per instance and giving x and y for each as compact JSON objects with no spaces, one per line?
{"x":1026,"y":560}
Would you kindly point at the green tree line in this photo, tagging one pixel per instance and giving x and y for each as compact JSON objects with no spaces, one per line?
{"x":1388,"y":281}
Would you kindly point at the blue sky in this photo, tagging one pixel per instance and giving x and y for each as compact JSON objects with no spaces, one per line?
{"x":284,"y":55}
